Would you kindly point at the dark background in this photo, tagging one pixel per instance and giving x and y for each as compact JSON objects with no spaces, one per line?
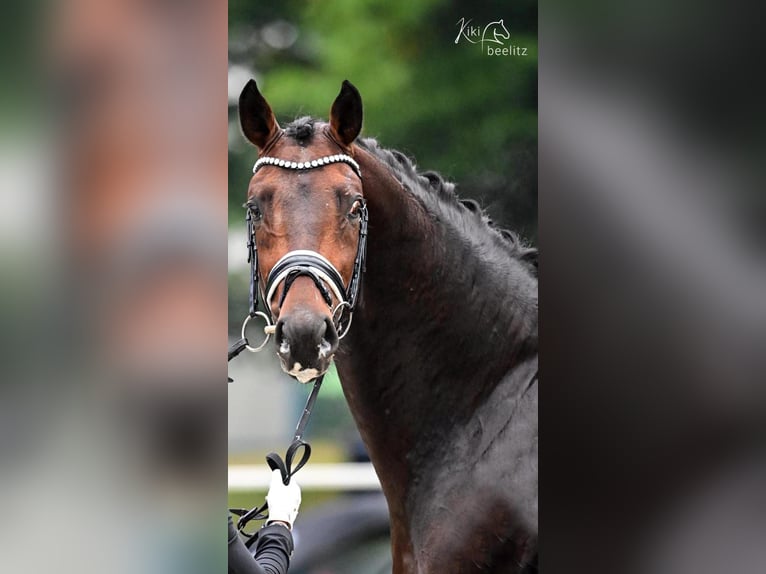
{"x":652,"y":288}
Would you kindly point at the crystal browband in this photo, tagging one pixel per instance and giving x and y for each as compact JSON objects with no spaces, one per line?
{"x":319,"y":162}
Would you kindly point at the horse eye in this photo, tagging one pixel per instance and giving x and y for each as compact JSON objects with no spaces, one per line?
{"x":355,"y":210}
{"x":256,"y":212}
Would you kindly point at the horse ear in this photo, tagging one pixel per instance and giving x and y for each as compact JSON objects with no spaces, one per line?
{"x":255,"y":116}
{"x":346,"y":114}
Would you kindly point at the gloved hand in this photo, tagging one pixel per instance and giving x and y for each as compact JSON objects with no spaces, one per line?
{"x":283,"y":500}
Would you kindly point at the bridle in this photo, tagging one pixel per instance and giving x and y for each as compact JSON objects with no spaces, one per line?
{"x":328,"y":281}
{"x":305,"y":262}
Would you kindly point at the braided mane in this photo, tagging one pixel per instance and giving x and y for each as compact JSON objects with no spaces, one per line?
{"x":429,"y":186}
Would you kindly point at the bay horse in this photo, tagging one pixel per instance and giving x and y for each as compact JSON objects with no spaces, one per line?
{"x":439,"y":366}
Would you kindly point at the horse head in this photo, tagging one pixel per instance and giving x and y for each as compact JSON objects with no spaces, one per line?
{"x":498,"y":31}
{"x":306,"y":205}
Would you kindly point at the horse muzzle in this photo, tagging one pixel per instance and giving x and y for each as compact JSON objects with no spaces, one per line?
{"x":306,"y":343}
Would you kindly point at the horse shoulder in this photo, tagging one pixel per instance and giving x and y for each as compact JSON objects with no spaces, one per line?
{"x":478,"y":511}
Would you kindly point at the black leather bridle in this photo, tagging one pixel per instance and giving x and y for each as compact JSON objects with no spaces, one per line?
{"x":305,"y":263}
{"x":328,"y":281}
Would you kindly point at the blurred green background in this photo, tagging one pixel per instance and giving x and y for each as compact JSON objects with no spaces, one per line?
{"x":456,"y":110}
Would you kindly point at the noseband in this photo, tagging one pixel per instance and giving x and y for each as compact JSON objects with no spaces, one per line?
{"x":306,"y":263}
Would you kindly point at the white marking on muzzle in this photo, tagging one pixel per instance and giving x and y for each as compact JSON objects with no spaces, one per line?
{"x":303,"y":375}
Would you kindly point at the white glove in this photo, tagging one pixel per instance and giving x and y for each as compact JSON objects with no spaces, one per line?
{"x":283,"y":500}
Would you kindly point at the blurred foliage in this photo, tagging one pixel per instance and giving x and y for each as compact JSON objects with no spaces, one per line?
{"x":22,"y":31}
{"x":470,"y":116}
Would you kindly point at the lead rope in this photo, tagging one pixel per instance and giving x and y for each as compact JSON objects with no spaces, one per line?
{"x":285,"y":467}
{"x":275,"y":462}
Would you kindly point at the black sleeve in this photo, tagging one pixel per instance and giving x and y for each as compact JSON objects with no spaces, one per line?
{"x":274,"y":548}
{"x":272,"y":555}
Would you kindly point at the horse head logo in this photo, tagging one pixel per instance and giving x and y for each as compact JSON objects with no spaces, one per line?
{"x":494,"y":31}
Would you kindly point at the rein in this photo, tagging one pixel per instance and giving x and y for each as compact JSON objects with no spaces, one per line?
{"x":329,"y":282}
{"x":285,"y":467}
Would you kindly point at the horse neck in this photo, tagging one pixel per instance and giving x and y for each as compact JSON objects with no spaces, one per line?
{"x":438,"y":327}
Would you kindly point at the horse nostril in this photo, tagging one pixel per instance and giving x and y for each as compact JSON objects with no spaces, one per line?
{"x":283,"y":343}
{"x":330,"y":335}
{"x":321,"y":330}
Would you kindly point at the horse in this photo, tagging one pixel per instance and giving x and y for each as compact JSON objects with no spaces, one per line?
{"x":439,"y":366}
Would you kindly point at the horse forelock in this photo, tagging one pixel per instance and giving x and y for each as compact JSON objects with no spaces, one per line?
{"x":302,"y":129}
